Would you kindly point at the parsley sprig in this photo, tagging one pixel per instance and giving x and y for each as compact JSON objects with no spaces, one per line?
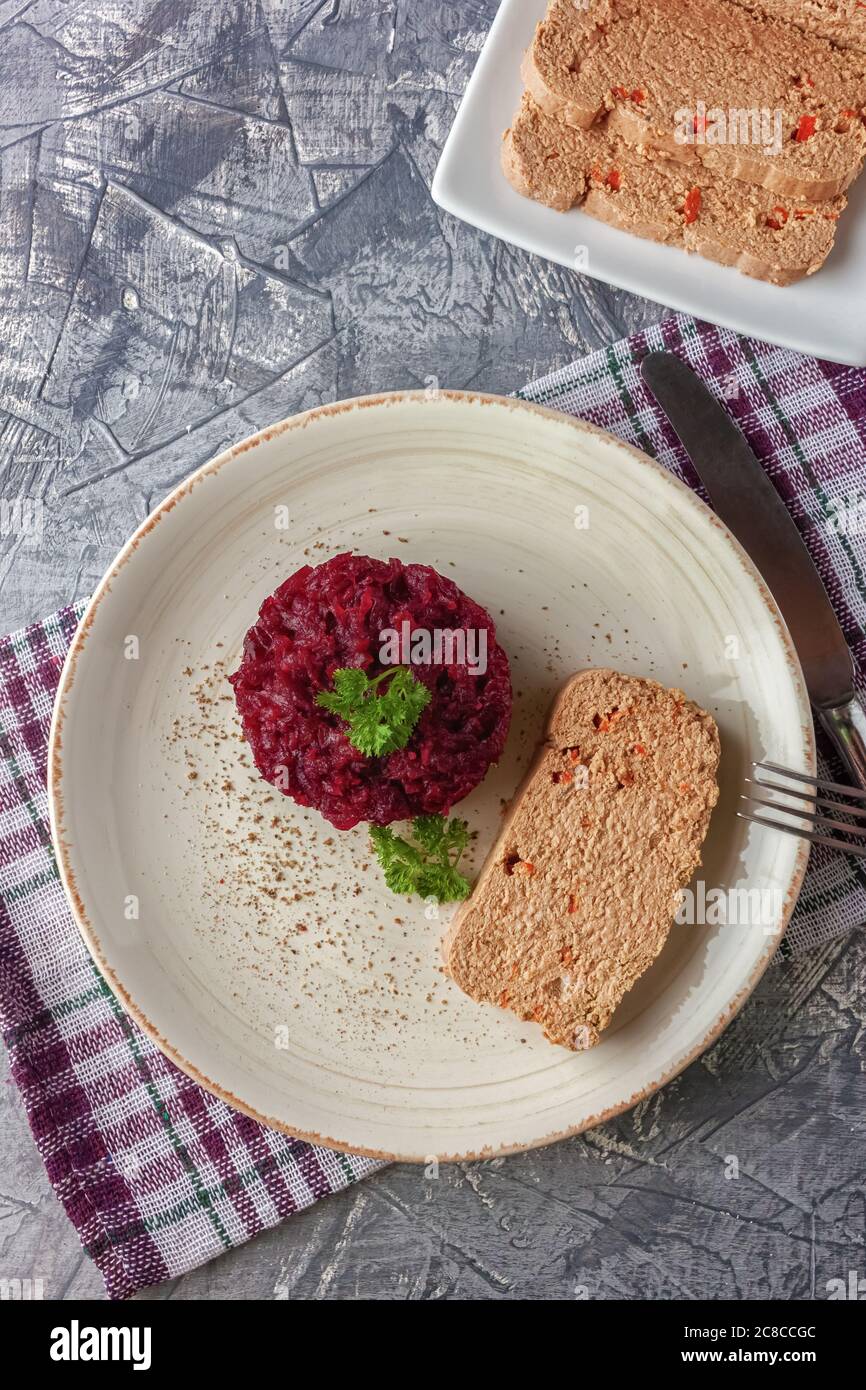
{"x":377,"y":723}
{"x":380,"y":723}
{"x":428,"y":866}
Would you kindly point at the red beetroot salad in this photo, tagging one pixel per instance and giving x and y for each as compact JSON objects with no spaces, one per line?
{"x":332,"y":616}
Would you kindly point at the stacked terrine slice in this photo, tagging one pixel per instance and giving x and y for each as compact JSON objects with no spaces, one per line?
{"x":700,"y":123}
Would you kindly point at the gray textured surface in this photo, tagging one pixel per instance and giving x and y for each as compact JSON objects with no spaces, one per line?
{"x":216,"y":213}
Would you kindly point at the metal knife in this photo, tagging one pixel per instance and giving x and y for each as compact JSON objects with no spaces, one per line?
{"x":749,"y":505}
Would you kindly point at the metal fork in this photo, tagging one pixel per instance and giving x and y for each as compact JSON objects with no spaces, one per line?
{"x":856,"y":845}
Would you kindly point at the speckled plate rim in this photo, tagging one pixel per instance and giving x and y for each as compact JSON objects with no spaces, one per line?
{"x":65,"y":693}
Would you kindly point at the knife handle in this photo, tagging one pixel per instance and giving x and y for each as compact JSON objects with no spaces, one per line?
{"x":846,"y":725}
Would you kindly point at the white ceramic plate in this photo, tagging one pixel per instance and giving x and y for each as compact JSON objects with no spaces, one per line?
{"x":266,"y":957}
{"x":824,"y":315}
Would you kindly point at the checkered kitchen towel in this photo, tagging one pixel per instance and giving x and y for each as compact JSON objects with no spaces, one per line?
{"x":157,"y":1175}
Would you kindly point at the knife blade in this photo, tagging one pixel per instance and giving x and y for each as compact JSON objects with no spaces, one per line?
{"x":745,"y":499}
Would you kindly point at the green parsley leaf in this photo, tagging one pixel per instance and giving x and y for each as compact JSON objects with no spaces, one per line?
{"x":377,"y":724}
{"x":425,"y":867}
{"x":437,"y":835}
{"x":402,"y":864}
{"x":350,"y":687}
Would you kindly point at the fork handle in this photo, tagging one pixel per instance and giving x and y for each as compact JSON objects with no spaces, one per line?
{"x":846,"y":725}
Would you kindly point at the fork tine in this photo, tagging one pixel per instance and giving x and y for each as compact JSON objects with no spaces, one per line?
{"x":818,"y":782}
{"x":807,"y":796}
{"x":813,"y":816}
{"x":859,"y":851}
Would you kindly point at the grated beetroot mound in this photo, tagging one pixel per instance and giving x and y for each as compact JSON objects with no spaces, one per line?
{"x":331,"y":616}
